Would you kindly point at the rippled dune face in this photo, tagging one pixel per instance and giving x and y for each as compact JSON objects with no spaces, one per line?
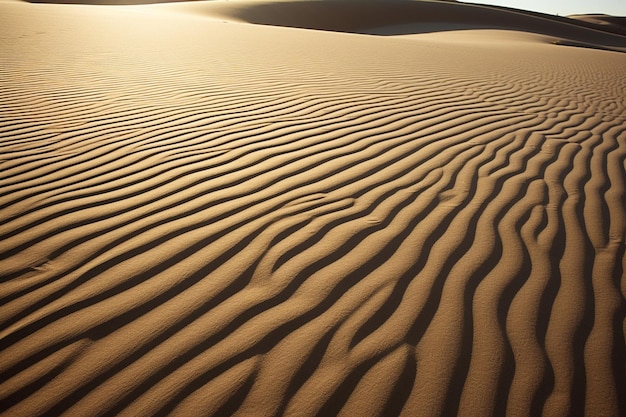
{"x":200,"y":215}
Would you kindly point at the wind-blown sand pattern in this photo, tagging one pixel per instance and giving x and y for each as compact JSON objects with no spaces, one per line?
{"x":201,"y":215}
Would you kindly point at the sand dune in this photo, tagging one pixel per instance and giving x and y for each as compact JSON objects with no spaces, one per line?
{"x":204,"y":216}
{"x":401,"y":17}
{"x":615,"y":24}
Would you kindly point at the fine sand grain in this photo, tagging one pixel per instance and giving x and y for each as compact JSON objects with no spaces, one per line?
{"x":259,"y":209}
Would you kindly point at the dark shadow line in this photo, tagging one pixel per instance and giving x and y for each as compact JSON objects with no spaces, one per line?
{"x":106,"y":328}
{"x":401,"y":391}
{"x":618,"y":355}
{"x":229,"y":408}
{"x":507,"y":373}
{"x":26,"y":391}
{"x":579,"y":383}
{"x":306,"y":370}
{"x":337,"y":400}
{"x":180,"y":231}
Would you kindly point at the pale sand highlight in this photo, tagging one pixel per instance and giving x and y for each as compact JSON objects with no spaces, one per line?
{"x":204,"y":216}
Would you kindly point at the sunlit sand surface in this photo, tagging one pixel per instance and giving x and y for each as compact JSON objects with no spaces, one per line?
{"x":259,"y":208}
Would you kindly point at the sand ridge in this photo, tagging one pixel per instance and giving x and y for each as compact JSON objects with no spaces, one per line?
{"x":208,"y":217}
{"x":402,"y":17}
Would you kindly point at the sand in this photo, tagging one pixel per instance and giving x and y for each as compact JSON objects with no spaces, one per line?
{"x":260,"y":209}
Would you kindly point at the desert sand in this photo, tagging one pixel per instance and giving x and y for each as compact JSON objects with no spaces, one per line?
{"x":311,"y":208}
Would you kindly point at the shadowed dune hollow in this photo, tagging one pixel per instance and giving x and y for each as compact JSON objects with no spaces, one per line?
{"x":210,"y":209}
{"x":395,"y":17}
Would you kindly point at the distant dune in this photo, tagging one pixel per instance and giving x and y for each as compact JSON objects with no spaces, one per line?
{"x":311,"y":208}
{"x":397,"y":17}
{"x":607,"y":23}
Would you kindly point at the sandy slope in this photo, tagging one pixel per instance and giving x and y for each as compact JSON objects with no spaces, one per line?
{"x":615,"y":24}
{"x":206,"y":217}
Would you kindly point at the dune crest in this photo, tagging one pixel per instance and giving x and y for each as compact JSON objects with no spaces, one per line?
{"x":403,"y":17}
{"x":203,"y":216}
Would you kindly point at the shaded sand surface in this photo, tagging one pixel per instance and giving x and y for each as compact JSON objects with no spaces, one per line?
{"x":205,"y":216}
{"x":615,"y":24}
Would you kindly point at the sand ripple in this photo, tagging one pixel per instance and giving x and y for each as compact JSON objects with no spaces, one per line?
{"x":252,"y":228}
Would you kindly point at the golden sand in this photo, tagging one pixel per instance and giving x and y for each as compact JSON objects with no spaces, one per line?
{"x":260,"y":208}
